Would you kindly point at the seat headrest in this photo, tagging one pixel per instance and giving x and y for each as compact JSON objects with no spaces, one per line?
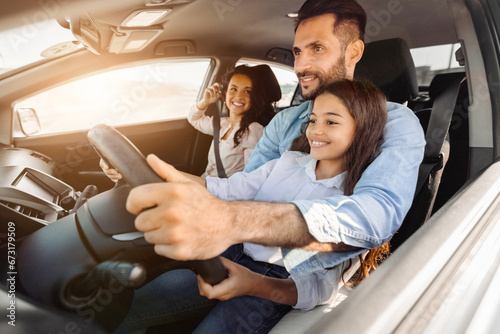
{"x":389,"y":66}
{"x":266,"y":78}
{"x":441,"y":81}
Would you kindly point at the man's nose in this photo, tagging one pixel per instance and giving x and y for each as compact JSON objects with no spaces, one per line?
{"x":302,"y":63}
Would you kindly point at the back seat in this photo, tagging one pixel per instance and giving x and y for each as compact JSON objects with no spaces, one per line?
{"x":456,"y":170}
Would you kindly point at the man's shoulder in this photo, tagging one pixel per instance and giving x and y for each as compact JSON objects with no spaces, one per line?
{"x":393,"y":106}
{"x":397,"y":110}
{"x":294,"y":111}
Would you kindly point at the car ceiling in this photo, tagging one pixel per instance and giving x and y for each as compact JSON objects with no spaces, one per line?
{"x":246,"y":28}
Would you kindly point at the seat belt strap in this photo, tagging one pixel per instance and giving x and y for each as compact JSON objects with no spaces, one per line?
{"x":437,"y":129}
{"x":216,"y":125}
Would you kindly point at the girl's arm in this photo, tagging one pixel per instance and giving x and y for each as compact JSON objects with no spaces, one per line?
{"x":242,"y":281}
{"x":194,"y":178}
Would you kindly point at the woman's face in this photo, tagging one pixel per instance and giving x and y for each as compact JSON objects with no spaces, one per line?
{"x":331,"y":129}
{"x":238,"y":97}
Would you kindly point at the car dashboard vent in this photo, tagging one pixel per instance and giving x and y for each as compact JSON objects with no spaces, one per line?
{"x":27,"y":211}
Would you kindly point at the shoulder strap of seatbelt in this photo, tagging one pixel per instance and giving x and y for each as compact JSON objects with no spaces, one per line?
{"x":439,"y":123}
{"x":216,"y":125}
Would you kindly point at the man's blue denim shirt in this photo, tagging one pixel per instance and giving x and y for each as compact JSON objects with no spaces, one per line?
{"x":381,"y":198}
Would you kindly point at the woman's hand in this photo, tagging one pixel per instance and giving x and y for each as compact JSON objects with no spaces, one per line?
{"x":211,"y":95}
{"x":111,"y":173}
{"x":240,"y":281}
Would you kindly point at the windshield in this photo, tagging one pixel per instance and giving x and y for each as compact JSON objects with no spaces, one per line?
{"x":34,"y":41}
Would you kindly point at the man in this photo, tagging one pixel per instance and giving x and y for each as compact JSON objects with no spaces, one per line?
{"x":367,"y":219}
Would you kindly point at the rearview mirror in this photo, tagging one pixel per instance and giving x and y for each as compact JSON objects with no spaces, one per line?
{"x":28,"y":121}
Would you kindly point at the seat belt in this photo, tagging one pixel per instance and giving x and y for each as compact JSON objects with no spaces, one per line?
{"x":216,"y":125}
{"x":437,"y":129}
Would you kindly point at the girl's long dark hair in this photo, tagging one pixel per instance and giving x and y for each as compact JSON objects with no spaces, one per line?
{"x":367,"y":105}
{"x":261,"y":111}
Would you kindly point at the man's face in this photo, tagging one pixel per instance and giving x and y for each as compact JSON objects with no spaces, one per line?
{"x":319,"y":56}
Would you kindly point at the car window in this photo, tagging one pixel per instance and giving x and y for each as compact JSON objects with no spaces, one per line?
{"x":432,"y":60}
{"x":286,"y":78}
{"x":137,"y":94}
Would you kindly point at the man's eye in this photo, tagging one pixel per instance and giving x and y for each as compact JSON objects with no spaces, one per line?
{"x":248,"y":92}
{"x":318,"y":48}
{"x":296,"y":53}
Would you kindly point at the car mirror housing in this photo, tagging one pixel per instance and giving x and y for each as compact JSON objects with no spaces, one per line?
{"x":87,"y":33}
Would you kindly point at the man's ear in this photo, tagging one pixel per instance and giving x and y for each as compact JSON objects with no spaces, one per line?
{"x":354,"y":52}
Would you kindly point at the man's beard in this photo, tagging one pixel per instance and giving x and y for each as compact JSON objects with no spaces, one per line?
{"x":337,"y":72}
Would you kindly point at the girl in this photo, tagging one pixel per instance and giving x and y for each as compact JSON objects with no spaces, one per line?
{"x":341,"y":138}
{"x":250,"y":109}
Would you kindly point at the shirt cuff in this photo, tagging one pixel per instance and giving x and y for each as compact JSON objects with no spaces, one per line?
{"x":217,"y":187}
{"x":326,"y":224}
{"x":322,"y":222}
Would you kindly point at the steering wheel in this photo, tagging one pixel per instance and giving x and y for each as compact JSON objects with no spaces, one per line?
{"x":91,"y":249}
{"x":120,"y":153}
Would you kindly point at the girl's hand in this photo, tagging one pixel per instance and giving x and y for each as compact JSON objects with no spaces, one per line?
{"x":111,"y":173}
{"x":211,"y":95}
{"x":240,"y":281}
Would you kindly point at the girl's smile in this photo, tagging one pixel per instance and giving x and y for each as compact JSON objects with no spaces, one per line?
{"x":330,"y":132}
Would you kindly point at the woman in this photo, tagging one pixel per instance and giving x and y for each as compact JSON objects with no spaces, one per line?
{"x":250,"y":109}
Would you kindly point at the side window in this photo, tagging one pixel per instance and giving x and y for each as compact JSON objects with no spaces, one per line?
{"x":286,"y":78}
{"x":432,"y":60}
{"x":137,"y":94}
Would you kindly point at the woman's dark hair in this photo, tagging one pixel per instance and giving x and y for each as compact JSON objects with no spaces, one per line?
{"x":367,"y":105}
{"x":262,"y":109}
{"x":350,"y":17}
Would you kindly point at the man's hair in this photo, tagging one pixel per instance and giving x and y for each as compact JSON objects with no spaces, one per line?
{"x":350,"y":17}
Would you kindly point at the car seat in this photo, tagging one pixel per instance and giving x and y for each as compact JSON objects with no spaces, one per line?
{"x":389,"y":65}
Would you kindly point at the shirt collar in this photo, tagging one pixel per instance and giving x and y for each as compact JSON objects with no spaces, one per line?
{"x":308,"y":109}
{"x":309,"y":164}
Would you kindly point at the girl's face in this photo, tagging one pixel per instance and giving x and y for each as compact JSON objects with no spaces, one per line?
{"x":331,"y":129}
{"x":238,"y":95}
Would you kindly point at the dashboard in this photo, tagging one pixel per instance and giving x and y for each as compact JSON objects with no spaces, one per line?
{"x":29,"y":191}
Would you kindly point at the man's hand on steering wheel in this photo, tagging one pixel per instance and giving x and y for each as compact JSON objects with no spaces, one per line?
{"x":175,"y":213}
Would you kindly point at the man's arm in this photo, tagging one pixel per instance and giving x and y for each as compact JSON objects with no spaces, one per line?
{"x":382,"y":196}
{"x":185,"y":221}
